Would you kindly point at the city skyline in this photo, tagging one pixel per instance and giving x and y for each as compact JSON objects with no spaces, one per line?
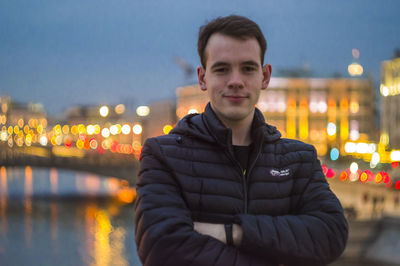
{"x":63,"y":54}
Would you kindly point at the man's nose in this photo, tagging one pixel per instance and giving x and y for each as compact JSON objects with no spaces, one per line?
{"x":235,"y":80}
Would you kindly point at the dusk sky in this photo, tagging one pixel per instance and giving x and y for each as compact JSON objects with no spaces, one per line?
{"x":62,"y":53}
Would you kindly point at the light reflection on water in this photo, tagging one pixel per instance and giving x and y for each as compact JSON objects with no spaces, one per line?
{"x":52,"y":217}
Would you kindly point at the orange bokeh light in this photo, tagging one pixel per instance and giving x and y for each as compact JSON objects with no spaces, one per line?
{"x":343,"y":176}
{"x":378,"y":178}
{"x":364,"y":177}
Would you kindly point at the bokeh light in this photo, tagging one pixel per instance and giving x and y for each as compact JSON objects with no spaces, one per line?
{"x":331,"y":129}
{"x":193,"y":111}
{"x":143,"y":110}
{"x":120,"y":109}
{"x":364,"y":177}
{"x":43,"y":140}
{"x":355,"y":69}
{"x":353,"y":167}
{"x":343,"y":176}
{"x":334,"y":154}
{"x":167,"y":129}
{"x":126,"y":129}
{"x":90,"y":129}
{"x":104,"y":110}
{"x":378,"y":178}
{"x":330,"y":173}
{"x":105,"y":132}
{"x":137,"y":129}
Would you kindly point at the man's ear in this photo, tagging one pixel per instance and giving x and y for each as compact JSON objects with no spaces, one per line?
{"x":201,"y":72}
{"x":267,"y":69}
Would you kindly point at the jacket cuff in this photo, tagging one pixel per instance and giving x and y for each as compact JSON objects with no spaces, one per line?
{"x":229,"y":234}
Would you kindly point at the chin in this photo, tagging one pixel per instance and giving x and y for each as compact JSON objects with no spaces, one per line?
{"x":236,"y":115}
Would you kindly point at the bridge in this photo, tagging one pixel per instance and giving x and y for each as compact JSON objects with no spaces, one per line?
{"x":118,"y":165}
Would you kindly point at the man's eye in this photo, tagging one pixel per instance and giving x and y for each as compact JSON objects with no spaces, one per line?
{"x":249,"y":69}
{"x":220,"y":70}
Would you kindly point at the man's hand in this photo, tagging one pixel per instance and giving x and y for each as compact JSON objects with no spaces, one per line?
{"x":237,"y":234}
{"x":218,"y":231}
{"x":215,"y":230}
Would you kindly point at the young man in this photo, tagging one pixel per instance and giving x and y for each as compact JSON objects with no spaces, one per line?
{"x":223,"y":188}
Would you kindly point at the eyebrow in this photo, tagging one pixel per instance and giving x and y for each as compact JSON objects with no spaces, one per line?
{"x":251,"y":62}
{"x":221,"y":63}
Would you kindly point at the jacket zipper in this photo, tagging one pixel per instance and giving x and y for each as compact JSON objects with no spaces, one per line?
{"x":245,"y":190}
{"x":244,"y":178}
{"x":243,"y":175}
{"x":253,"y":163}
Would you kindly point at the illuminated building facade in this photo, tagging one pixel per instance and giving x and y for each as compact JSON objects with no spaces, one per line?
{"x":390,"y":91}
{"x":325,"y":112}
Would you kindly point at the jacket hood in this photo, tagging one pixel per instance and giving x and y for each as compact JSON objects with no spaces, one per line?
{"x":208,"y":127}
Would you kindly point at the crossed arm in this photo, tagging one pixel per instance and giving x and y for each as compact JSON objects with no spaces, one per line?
{"x":166,"y":234}
{"x":217,"y":231}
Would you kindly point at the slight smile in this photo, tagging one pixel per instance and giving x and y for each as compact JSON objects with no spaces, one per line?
{"x":235,"y":98}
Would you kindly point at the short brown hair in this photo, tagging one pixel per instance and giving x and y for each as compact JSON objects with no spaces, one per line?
{"x":233,"y":26}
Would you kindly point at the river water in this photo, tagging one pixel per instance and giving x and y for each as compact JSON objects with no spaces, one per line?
{"x":58,"y":217}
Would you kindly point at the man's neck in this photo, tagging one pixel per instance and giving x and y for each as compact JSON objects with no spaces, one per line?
{"x":241,"y":130}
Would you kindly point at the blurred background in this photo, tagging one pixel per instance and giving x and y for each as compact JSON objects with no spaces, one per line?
{"x":84,"y":83}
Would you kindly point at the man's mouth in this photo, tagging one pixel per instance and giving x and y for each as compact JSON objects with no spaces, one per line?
{"x":235,"y":98}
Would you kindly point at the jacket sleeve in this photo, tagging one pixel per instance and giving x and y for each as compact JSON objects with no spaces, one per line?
{"x":163,"y":226}
{"x":316,"y":234}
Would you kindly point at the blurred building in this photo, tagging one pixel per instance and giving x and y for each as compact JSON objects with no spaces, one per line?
{"x":14,"y":113}
{"x":95,"y":114}
{"x":4,"y":103}
{"x":21,"y":123}
{"x":160,"y":120}
{"x":108,"y":126}
{"x":325,"y":112}
{"x":390,"y":91}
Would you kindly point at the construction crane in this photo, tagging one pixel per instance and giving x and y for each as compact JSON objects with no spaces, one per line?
{"x":186,"y":67}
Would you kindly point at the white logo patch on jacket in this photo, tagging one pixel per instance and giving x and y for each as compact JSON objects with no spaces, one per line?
{"x":284,"y":172}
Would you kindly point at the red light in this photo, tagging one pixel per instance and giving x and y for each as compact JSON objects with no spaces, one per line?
{"x":324,"y":169}
{"x":397,"y":185}
{"x":370,"y":175}
{"x":100,"y":149}
{"x":386,"y":177}
{"x":68,"y":143}
{"x":330,"y":173}
{"x":395,"y":164}
{"x":114,"y":146}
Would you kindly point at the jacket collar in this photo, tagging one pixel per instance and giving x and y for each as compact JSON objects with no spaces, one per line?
{"x":260,"y":130}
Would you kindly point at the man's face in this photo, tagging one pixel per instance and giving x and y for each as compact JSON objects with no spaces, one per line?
{"x":234,"y":76}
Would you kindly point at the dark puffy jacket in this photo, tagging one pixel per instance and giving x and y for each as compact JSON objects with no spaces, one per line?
{"x":284,"y":205}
